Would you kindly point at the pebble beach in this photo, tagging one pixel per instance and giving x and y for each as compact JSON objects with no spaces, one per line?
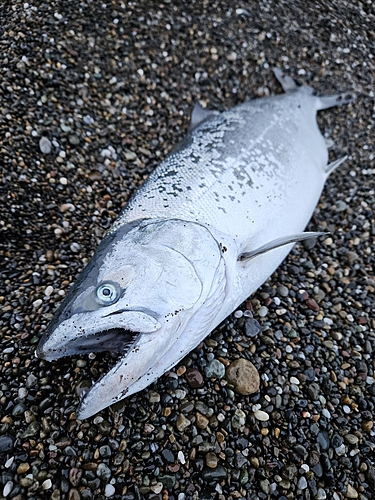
{"x":278,"y":403}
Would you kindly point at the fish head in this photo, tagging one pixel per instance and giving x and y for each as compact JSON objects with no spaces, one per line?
{"x":135,"y":298}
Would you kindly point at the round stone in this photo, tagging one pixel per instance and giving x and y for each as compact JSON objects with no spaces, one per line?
{"x":215,"y":369}
{"x":261,"y":415}
{"x":211,"y":460}
{"x":45,"y":145}
{"x":243,"y":375}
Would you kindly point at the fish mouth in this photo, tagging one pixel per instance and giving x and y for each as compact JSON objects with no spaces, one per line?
{"x":78,"y":336}
{"x":117,"y":340}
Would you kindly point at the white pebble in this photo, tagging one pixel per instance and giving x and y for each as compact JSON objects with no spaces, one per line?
{"x":9,"y":462}
{"x":326,"y":413}
{"x":109,"y":490}
{"x":48,"y":291}
{"x":45,"y":145}
{"x":263,"y":311}
{"x":340,"y":450}
{"x":156,"y":488}
{"x":22,"y":392}
{"x":294,"y":380}
{"x":346,"y":409}
{"x":37,"y":303}
{"x":261,"y":415}
{"x":63,"y":180}
{"x":238,"y":314}
{"x":181,"y":457}
{"x":7,"y":488}
{"x":47,"y":484}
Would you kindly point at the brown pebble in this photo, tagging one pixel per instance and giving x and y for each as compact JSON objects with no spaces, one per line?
{"x":194,"y":378}
{"x":367,"y":425}
{"x":211,"y":460}
{"x":202,"y":421}
{"x":22,"y":468}
{"x":243,"y":375}
{"x":311,"y":304}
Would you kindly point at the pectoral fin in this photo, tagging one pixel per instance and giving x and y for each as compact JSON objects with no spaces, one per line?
{"x":279,"y":242}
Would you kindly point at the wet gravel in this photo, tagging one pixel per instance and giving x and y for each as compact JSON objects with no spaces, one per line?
{"x":92,"y":96}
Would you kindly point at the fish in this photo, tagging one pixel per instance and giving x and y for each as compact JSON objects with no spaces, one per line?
{"x":207,"y":228}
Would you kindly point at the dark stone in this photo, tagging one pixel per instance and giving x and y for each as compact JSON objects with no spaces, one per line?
{"x":217,"y":474}
{"x":252,"y":327}
{"x":6,"y":443}
{"x":314,"y":458}
{"x":194,"y":378}
{"x":317,"y":470}
{"x":168,"y":481}
{"x":323,"y":440}
{"x":168,"y":455}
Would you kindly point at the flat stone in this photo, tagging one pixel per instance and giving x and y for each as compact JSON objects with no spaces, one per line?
{"x":243,"y":375}
{"x":45,"y":145}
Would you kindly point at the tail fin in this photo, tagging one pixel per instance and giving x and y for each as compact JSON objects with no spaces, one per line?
{"x":324,"y":102}
{"x":328,"y":101}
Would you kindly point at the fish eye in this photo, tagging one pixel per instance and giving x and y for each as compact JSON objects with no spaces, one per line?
{"x":107,"y":294}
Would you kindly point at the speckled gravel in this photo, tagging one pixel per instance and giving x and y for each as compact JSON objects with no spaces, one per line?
{"x":92,"y":96}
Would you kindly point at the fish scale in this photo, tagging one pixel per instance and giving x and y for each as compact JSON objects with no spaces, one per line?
{"x":207,"y":228}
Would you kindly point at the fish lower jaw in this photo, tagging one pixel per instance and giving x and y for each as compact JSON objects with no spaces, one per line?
{"x":117,"y":340}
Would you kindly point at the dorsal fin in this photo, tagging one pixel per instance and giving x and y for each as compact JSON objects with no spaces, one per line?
{"x":279,"y":242}
{"x":200,"y":115}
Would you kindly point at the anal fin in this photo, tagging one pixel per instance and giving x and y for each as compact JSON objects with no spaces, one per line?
{"x":279,"y":242}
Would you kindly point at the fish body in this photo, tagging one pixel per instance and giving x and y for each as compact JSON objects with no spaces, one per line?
{"x":209,"y":226}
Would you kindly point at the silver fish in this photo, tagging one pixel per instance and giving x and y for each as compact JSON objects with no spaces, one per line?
{"x":209,"y":226}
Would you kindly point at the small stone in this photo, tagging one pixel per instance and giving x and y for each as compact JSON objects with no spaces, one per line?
{"x":73,"y":140}
{"x":31,"y":430}
{"x":211,"y":460}
{"x":22,"y":468}
{"x":263,"y":311}
{"x":243,"y":375}
{"x":302,"y":483}
{"x":31,"y":380}
{"x":109,"y":490}
{"x":194,"y":378}
{"x":47,"y":484}
{"x":351,"y":438}
{"x":261,"y":415}
{"x":153,"y":397}
{"x":202,"y":421}
{"x":6,"y":443}
{"x":323,"y":440}
{"x":351,"y":492}
{"x":282,"y":290}
{"x":156,"y":488}
{"x":45,"y":145}
{"x":168,"y":481}
{"x":7,"y":488}
{"x":214,"y":474}
{"x":104,"y":472}
{"x":182,"y":422}
{"x":321,"y":494}
{"x":252,"y":327}
{"x":215,"y":369}
{"x":238,"y":419}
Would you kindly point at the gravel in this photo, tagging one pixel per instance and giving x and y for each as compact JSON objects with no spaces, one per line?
{"x":92,"y":96}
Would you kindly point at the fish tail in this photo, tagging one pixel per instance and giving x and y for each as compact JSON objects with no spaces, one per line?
{"x":328,"y":101}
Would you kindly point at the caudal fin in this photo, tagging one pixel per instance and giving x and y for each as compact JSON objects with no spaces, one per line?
{"x":328,"y":101}
{"x":323,"y":102}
